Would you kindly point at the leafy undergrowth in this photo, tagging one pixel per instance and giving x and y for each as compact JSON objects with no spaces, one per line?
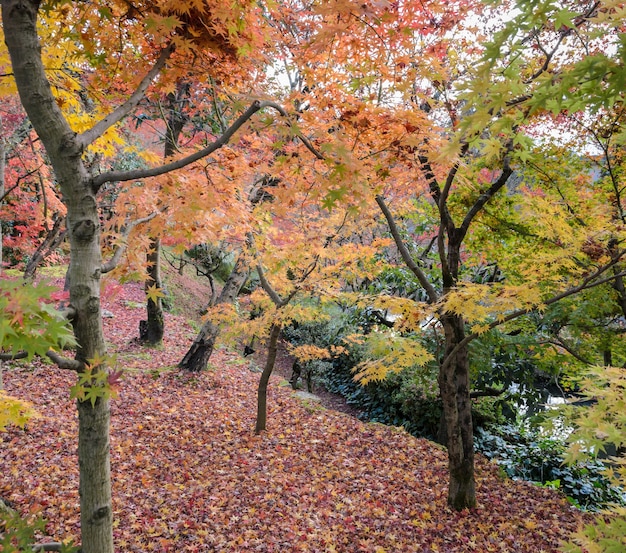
{"x":189,"y":475}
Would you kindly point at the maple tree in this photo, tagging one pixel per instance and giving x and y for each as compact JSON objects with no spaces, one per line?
{"x":586,"y":97}
{"x":30,"y":204}
{"x":152,"y":331}
{"x":440,"y":141}
{"x":70,"y":133}
{"x":445,"y":139}
{"x":214,"y":484}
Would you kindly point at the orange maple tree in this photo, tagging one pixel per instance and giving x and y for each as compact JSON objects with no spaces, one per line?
{"x":113,"y":43}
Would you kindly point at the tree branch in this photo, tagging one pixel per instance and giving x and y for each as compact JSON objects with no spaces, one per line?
{"x":485,"y":197}
{"x":451,"y":175}
{"x":87,"y":137}
{"x":561,"y":344}
{"x":304,"y":140}
{"x":435,"y":191}
{"x":65,"y":363}
{"x":445,"y":217}
{"x":404,"y":252}
{"x":269,"y":290}
{"x":586,"y":284}
{"x":121,"y":176}
{"x":119,"y":251}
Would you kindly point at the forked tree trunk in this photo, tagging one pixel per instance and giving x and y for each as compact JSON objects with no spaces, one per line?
{"x":197,"y":357}
{"x":261,"y":413}
{"x":19,"y":19}
{"x":457,"y":411}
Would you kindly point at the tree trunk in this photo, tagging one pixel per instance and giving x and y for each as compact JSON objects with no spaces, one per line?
{"x":152,"y":329}
{"x":51,"y":242}
{"x":457,"y":410}
{"x":197,"y":357}
{"x":19,"y":18}
{"x":95,"y":483}
{"x":261,"y":413}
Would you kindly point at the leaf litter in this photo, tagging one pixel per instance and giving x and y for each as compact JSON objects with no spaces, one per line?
{"x":189,"y":475}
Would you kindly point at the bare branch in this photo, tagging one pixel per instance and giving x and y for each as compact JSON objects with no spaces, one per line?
{"x":87,"y":137}
{"x":404,"y":252}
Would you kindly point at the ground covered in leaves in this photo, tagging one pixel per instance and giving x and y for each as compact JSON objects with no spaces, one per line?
{"x":189,"y":475}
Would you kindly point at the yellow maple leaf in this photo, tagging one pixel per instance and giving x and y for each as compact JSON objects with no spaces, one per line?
{"x":154,"y":292}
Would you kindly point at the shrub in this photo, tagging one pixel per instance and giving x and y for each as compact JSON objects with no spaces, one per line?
{"x":527,"y":454}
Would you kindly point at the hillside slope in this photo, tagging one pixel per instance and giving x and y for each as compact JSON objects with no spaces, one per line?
{"x":189,"y":475}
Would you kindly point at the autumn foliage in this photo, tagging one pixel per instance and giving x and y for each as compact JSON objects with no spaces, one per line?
{"x":190,"y":475}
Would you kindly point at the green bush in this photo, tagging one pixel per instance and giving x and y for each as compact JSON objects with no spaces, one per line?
{"x":527,"y":454}
{"x":409,"y":398}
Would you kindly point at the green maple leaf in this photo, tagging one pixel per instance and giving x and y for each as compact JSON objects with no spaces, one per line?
{"x":564,"y":18}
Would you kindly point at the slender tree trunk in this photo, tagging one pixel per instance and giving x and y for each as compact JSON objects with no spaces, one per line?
{"x":457,"y":410}
{"x":261,"y":413}
{"x":19,"y":18}
{"x":197,"y":357}
{"x":152,"y":329}
{"x":52,"y":241}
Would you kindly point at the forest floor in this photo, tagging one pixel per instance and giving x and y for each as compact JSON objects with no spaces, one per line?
{"x":190,"y":475}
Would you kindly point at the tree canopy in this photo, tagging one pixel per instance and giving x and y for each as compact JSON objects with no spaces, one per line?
{"x":455,"y":166}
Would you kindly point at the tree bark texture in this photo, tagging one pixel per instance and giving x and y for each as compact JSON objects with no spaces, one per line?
{"x":457,"y":411}
{"x":93,"y":457}
{"x":197,"y":357}
{"x":19,"y":19}
{"x":261,"y":413}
